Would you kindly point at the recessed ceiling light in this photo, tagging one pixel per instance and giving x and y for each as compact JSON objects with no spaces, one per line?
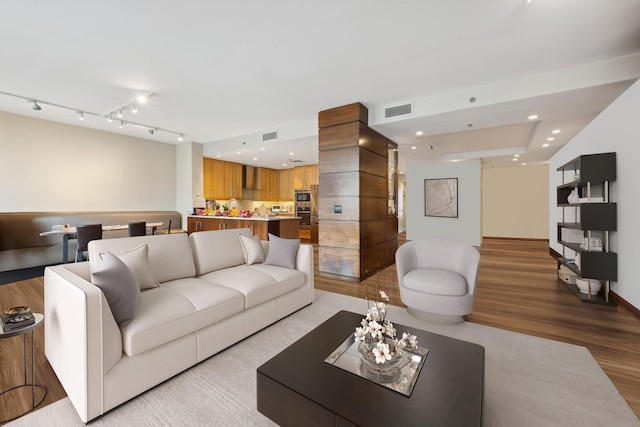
{"x":514,"y":159}
{"x":218,"y":155}
{"x":533,"y":117}
{"x":238,"y":152}
{"x":555,"y":131}
{"x":284,"y":164}
{"x":414,"y":147}
{"x":516,"y":155}
{"x":291,"y":154}
{"x":401,"y":173}
{"x":419,"y":133}
{"x":523,"y":164}
{"x":545,"y":145}
{"x":255,"y":158}
{"x":263,"y":148}
{"x":551,"y":138}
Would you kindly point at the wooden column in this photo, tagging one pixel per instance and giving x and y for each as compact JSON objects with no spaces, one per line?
{"x":356,"y":234}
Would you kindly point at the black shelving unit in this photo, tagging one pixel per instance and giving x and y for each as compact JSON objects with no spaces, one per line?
{"x":590,"y":175}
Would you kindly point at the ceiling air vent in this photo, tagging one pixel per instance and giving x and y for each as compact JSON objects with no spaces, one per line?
{"x":269,"y":136}
{"x":399,"y":110}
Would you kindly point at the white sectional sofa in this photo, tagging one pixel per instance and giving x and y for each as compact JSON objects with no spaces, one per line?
{"x":208,"y":298}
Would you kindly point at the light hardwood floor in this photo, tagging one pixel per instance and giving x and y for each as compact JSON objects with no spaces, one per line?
{"x":517,"y":290}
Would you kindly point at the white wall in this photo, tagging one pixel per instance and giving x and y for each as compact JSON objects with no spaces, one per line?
{"x":515,"y":202}
{"x":467,"y":227}
{"x":614,"y":130}
{"x":47,"y":166}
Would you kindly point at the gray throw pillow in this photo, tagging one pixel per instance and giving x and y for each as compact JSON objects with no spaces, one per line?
{"x":282,"y":252}
{"x":119,"y":286}
{"x":138,"y":262}
{"x":252,"y":249}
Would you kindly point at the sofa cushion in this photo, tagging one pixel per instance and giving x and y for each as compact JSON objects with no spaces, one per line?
{"x":138,"y":262}
{"x":119,"y":286}
{"x":282,"y":252}
{"x":169,"y":254}
{"x":214,"y":250}
{"x":252,"y":249}
{"x":175,"y":309}
{"x":258,"y":282}
{"x":435,"y":281}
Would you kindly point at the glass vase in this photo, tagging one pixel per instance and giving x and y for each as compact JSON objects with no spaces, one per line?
{"x":382,"y":373}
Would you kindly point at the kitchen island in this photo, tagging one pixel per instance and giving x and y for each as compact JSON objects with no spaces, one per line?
{"x":287,"y":227}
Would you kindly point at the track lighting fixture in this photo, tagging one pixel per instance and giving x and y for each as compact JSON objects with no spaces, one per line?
{"x":109,"y":116}
{"x":35,"y":105}
{"x":134,"y":109}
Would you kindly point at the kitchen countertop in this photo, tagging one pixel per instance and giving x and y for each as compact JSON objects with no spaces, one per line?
{"x":253,"y":218}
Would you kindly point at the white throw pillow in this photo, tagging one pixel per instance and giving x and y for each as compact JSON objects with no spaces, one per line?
{"x":282,"y":252}
{"x":138,"y":262}
{"x":252,"y":249}
{"x":119,"y":286}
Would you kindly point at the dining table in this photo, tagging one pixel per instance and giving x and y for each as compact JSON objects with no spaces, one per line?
{"x":71,"y":233}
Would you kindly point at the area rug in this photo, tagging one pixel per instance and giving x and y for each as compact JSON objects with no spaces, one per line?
{"x":529,"y":381}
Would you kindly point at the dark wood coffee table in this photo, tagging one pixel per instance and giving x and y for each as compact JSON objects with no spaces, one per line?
{"x":297,"y":387}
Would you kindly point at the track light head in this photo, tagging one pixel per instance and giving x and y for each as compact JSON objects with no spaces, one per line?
{"x":35,"y":105}
{"x":152,"y":131}
{"x":134,"y":109}
{"x":80,"y":115}
{"x":181,"y":137}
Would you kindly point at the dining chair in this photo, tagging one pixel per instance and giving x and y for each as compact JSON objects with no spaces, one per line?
{"x":137,"y":228}
{"x":86,"y":233}
{"x":168,"y":231}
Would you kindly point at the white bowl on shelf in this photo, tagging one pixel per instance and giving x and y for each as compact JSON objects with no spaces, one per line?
{"x":583,"y":285}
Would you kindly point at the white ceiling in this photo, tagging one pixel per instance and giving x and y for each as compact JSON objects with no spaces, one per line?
{"x":224,"y":73}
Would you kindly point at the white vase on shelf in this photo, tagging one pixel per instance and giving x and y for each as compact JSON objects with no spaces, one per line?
{"x":573,"y":197}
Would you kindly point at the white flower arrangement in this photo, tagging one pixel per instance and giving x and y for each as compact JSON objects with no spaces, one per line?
{"x":379,"y":333}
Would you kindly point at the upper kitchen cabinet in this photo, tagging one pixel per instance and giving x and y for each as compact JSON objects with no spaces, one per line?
{"x":221,"y":180}
{"x":232,"y":181}
{"x":285,"y":184}
{"x":266,"y":184}
{"x":305,"y":176}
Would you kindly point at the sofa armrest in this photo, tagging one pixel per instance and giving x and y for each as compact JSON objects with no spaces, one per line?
{"x":82,"y":340}
{"x":304,"y":263}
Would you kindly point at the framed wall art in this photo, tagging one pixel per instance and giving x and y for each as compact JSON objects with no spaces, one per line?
{"x":441,"y":197}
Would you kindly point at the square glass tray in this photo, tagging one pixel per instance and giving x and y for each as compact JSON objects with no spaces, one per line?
{"x":347,"y":357}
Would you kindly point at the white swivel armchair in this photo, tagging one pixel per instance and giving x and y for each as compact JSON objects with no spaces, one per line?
{"x":437,"y":275}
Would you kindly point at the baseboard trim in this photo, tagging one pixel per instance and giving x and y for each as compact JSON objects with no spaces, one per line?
{"x":526,"y":239}
{"x":624,"y":304}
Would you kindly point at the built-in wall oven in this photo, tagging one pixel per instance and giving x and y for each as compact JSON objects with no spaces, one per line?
{"x":305,"y":214}
{"x":303,"y":206}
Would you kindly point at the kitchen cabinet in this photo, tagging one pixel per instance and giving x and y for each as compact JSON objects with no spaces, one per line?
{"x":588,"y":217}
{"x":305,"y":176}
{"x":287,"y":228}
{"x":232,"y":181}
{"x":266,"y":184}
{"x":221,"y":180}
{"x":285,"y":184}
{"x":212,"y":175}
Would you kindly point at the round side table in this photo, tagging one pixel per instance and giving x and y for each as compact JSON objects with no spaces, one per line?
{"x":24,"y":332}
